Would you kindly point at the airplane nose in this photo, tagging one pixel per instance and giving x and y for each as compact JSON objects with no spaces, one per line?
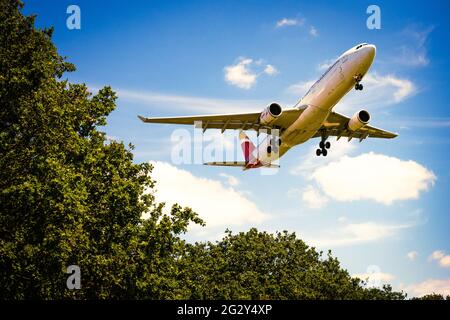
{"x":370,"y":51}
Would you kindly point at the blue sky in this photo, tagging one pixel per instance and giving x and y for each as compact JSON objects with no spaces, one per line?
{"x":198,"y":57}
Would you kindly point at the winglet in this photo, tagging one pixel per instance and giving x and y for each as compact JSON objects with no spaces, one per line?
{"x":143,"y":119}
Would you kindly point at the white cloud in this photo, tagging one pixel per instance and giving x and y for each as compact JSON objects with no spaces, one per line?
{"x":412,"y":56}
{"x":241,"y":74}
{"x":355,"y":233}
{"x":412,"y":255}
{"x":289,"y":22}
{"x":313,"y":31}
{"x":420,"y":122}
{"x":442,"y":258}
{"x":440,"y":286}
{"x":372,"y":176}
{"x":300,"y":88}
{"x":379,"y":91}
{"x":313,"y":198}
{"x":190,"y":103}
{"x":218,"y":205}
{"x":310,"y":196}
{"x":324,"y":65}
{"x":310,"y":162}
{"x":375,"y":277}
{"x":231,"y":180}
{"x":413,"y":51}
{"x":270,"y":70}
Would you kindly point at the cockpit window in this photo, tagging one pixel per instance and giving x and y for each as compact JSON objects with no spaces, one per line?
{"x":361,"y":45}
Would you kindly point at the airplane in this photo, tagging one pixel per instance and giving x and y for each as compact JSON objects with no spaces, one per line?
{"x":311,"y":117}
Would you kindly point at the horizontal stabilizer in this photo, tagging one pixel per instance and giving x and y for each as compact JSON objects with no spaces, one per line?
{"x":227,"y":164}
{"x":241,"y":164}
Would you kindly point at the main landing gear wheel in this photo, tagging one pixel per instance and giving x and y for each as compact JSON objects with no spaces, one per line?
{"x":274,"y":144}
{"x":323,"y":146}
{"x":321,"y":152}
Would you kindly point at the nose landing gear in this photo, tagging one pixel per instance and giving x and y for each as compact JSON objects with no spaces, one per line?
{"x":358,"y":85}
{"x":323,"y":146}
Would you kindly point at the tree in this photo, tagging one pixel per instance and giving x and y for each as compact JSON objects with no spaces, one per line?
{"x":67,"y":195}
{"x":259,"y":265}
{"x":433,"y":296}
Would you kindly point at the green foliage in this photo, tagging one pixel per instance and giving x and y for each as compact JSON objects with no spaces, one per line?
{"x":69,"y":196}
{"x":259,"y":265}
{"x":433,"y":296}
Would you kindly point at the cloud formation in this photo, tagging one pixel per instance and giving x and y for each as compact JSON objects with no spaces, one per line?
{"x":355,"y":233}
{"x":217,"y":204}
{"x":379,"y":91}
{"x":310,"y":162}
{"x":372,"y":176}
{"x":231,"y":180}
{"x":289,"y":22}
{"x":242,"y":75}
{"x":441,"y":258}
{"x":310,"y":196}
{"x":190,"y":103}
{"x":440,"y":286}
{"x":412,"y":255}
{"x":413,"y":51}
{"x":313,"y":31}
{"x":375,"y":277}
{"x":313,"y":198}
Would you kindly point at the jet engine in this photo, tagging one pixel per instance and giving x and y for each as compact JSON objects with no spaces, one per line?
{"x":359,"y":120}
{"x":270,"y":114}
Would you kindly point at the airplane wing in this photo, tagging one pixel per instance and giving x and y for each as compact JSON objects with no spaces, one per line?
{"x":243,"y":121}
{"x":336,"y":125}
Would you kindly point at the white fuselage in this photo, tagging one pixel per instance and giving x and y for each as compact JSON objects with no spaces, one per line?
{"x":320,"y":99}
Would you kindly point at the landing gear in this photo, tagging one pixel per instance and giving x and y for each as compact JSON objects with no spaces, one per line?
{"x":358,"y":85}
{"x":323,"y":146}
{"x":274,"y":143}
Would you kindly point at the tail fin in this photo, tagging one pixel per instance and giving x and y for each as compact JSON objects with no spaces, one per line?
{"x":247,"y":148}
